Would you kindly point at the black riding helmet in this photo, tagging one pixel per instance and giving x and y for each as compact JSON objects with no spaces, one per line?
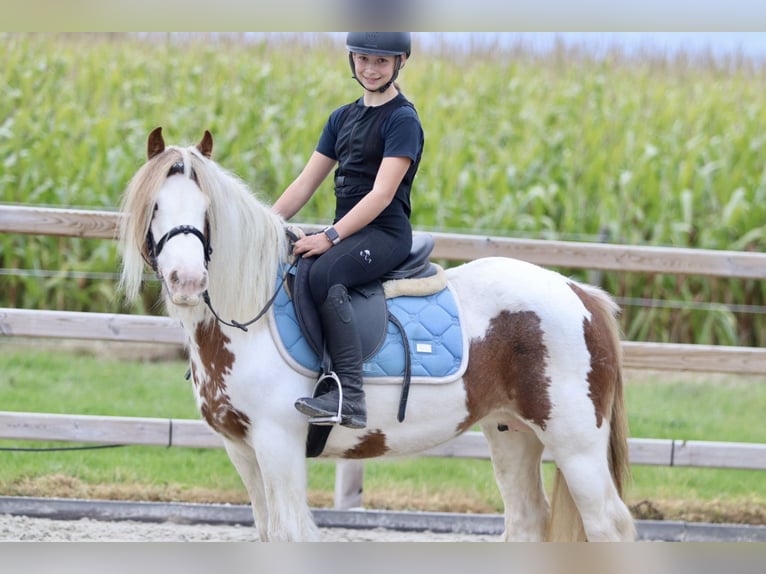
{"x":379,"y":44}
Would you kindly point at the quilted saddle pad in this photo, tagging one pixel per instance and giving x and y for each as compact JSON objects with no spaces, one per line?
{"x":437,"y":345}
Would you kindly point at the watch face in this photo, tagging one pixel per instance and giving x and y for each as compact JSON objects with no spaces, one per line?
{"x":332,"y":235}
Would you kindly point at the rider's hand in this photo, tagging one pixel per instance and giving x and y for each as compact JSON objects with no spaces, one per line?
{"x":312,"y":245}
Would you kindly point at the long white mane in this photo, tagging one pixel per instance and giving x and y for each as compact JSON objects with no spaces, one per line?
{"x":247,"y":238}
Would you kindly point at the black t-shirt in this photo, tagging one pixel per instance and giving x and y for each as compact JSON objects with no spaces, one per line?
{"x":358,"y":137}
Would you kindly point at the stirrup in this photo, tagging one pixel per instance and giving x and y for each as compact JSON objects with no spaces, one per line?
{"x":328,"y":420}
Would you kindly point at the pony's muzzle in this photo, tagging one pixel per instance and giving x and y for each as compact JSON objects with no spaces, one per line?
{"x":186,"y":289}
{"x":184,"y":300}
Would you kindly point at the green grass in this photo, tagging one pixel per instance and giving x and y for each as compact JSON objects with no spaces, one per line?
{"x":53,"y":380}
{"x":69,"y":382}
{"x":708,"y":408}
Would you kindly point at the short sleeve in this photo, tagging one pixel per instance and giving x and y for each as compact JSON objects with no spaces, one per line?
{"x":403,"y":134}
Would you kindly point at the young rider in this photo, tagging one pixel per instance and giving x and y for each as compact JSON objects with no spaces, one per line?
{"x":375,"y":145}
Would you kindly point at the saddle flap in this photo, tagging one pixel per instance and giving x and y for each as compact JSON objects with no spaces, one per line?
{"x":371,"y":316}
{"x":306,"y":312}
{"x":368,"y":302}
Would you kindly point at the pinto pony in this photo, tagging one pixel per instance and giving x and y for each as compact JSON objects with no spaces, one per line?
{"x":543,"y":368}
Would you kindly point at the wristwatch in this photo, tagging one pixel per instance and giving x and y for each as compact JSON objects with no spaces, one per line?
{"x":331,"y":234}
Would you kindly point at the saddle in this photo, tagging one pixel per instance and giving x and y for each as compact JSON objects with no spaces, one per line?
{"x":368,"y":301}
{"x":370,"y":310}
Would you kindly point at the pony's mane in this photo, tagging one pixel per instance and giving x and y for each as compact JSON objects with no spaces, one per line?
{"x":248,"y":239}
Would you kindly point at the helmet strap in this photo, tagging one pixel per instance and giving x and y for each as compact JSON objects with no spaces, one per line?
{"x":383,"y":88}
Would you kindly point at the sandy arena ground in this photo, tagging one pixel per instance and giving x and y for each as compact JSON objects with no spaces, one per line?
{"x":26,"y":529}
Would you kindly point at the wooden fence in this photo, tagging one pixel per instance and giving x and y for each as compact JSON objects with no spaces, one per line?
{"x":451,"y":247}
{"x":194,"y":433}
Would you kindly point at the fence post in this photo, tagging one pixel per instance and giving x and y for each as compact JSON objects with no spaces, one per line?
{"x":596,"y":276}
{"x":349,"y":476}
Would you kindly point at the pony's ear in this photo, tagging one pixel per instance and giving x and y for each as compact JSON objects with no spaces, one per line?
{"x":156,"y":144}
{"x":205,"y":146}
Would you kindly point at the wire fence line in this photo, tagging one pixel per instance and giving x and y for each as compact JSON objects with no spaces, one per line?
{"x":641,"y":302}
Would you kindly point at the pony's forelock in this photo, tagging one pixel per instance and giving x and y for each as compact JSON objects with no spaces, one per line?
{"x":136,"y":210}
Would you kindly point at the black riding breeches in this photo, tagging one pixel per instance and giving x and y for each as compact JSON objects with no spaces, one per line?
{"x":363,"y":257}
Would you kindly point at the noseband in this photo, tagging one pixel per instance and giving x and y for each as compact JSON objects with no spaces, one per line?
{"x":153,"y":250}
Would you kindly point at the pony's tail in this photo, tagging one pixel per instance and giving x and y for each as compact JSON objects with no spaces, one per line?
{"x":619,"y":456}
{"x":564,"y":524}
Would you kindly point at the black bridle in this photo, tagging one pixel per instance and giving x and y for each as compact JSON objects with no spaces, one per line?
{"x":154,"y":248}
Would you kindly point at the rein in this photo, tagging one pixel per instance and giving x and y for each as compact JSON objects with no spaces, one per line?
{"x":261,"y":313}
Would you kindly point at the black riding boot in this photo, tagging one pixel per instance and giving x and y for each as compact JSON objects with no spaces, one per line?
{"x":345,"y":350}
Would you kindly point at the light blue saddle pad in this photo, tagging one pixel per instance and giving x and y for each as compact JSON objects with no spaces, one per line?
{"x":432,"y":324}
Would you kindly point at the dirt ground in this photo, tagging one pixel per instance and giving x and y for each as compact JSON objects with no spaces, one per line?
{"x":26,"y":529}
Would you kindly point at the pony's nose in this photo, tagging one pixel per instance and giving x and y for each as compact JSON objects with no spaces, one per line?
{"x":186,"y":286}
{"x":179,"y":278}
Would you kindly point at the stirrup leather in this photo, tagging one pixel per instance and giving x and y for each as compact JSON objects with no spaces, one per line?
{"x":328,"y":420}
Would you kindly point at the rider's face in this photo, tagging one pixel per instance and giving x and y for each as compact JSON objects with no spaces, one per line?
{"x":373,"y":70}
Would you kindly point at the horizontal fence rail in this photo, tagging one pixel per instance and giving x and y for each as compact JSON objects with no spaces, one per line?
{"x":148,"y":329}
{"x":108,"y":430}
{"x":59,"y":222}
{"x":196,"y":434}
{"x":90,"y":326}
{"x":451,"y":247}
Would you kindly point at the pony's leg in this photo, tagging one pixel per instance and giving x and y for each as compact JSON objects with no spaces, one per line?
{"x":605,"y":517}
{"x":516,"y":460}
{"x":244,"y":460}
{"x":281,"y":450}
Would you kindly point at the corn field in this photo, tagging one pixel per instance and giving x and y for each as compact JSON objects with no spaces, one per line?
{"x":650,"y":150}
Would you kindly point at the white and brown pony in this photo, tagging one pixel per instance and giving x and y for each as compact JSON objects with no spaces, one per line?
{"x":543,"y":369}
